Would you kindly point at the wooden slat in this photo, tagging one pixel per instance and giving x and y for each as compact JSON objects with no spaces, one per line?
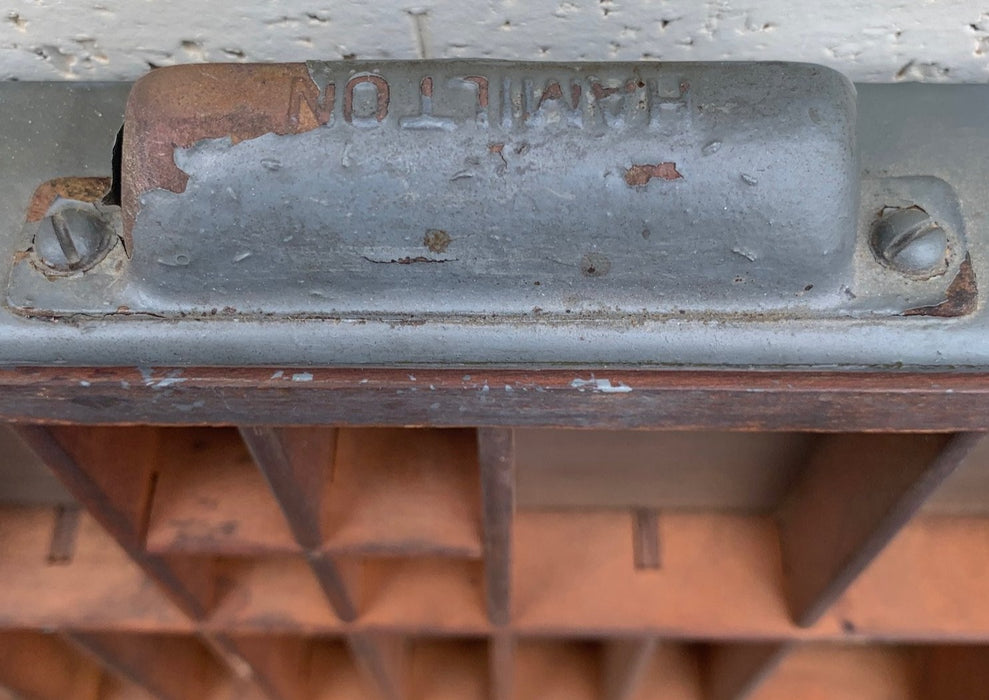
{"x":501,"y":666}
{"x":768,"y":400}
{"x":496,"y":455}
{"x":623,"y":666}
{"x":382,"y":660}
{"x":341,"y":581}
{"x":111,"y":473}
{"x":856,"y":493}
{"x":279,"y":664}
{"x":43,"y":667}
{"x":168,"y":667}
{"x":735,"y":671}
{"x":646,"y":548}
{"x":211,"y":499}
{"x":64,"y":534}
{"x":296,"y":463}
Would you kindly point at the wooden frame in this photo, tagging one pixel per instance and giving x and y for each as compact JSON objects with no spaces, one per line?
{"x":349,"y":559}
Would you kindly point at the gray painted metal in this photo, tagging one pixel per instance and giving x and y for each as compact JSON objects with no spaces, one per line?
{"x":902,"y":159}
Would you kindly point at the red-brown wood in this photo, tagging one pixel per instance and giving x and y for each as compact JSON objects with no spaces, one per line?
{"x":893,"y":401}
{"x":496,"y":455}
{"x":855,"y":495}
{"x":113,"y":477}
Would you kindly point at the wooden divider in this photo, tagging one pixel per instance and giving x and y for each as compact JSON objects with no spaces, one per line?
{"x":395,"y":564}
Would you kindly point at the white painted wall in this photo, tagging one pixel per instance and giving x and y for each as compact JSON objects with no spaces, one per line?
{"x":870,"y":40}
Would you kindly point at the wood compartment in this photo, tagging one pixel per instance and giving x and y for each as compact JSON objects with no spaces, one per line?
{"x":409,"y":563}
{"x":448,"y":669}
{"x":210,"y":498}
{"x":404,"y":492}
{"x":723,"y":471}
{"x":96,"y":584}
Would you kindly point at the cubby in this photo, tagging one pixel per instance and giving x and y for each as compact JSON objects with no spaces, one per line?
{"x":412,"y":563}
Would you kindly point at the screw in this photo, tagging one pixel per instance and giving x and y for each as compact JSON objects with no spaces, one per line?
{"x":911,"y":242}
{"x":73,"y":237}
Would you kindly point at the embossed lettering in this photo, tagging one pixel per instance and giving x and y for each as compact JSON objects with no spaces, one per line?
{"x":381,"y":109}
{"x":318,"y":104}
{"x":616,"y":106}
{"x":481,"y":83}
{"x":666,"y":102}
{"x":553,"y":107}
{"x":426,"y":120}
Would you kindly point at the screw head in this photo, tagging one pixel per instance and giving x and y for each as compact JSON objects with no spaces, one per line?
{"x":910,"y":241}
{"x":73,"y":237}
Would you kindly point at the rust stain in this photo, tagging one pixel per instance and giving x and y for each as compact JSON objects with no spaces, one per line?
{"x":553,"y":91}
{"x":84,"y":189}
{"x":437,"y":240}
{"x":177,"y":106}
{"x":482,"y":89}
{"x":639,"y":175}
{"x":381,"y":108}
{"x":961,"y":297}
{"x":426,"y":86}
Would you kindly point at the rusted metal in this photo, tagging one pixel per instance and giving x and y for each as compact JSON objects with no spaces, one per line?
{"x":961,"y":299}
{"x":175,"y":108}
{"x":639,"y":175}
{"x":603,"y":289}
{"x":83,"y":189}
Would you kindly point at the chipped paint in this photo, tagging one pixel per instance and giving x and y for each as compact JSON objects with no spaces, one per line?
{"x":302,"y":377}
{"x":171,"y":378}
{"x":603,"y":386}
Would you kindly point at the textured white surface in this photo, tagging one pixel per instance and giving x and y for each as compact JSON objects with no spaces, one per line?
{"x":869,"y":40}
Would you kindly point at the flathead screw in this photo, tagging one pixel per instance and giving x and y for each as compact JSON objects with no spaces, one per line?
{"x":910,"y":241}
{"x":73,"y":239}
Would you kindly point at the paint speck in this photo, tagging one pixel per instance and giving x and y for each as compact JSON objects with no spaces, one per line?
{"x":432,"y":387}
{"x":749,"y":180}
{"x":434,"y":406}
{"x":412,"y":377}
{"x":363,"y":381}
{"x":508,"y":388}
{"x":124,"y":384}
{"x":242,"y":256}
{"x":485,"y":388}
{"x":83,"y":382}
{"x":172,"y":378}
{"x":711,"y":148}
{"x":302,"y":377}
{"x":747,"y":254}
{"x":466,"y":377}
{"x":603,"y":386}
{"x":278,"y":375}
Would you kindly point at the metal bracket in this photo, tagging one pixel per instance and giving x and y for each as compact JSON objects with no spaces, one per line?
{"x":490,"y":212}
